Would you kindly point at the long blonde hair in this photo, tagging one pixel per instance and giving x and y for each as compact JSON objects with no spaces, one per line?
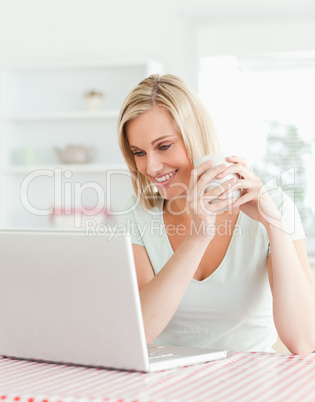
{"x":190,"y":118}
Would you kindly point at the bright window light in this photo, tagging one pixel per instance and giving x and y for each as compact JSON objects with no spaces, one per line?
{"x":243,"y":99}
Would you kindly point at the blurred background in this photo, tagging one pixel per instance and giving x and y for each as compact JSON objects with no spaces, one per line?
{"x":67,"y":65}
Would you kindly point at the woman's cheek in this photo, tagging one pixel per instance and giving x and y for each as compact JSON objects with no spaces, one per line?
{"x":139,"y":166}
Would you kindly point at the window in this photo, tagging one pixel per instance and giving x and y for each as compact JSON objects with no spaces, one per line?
{"x":263,"y":108}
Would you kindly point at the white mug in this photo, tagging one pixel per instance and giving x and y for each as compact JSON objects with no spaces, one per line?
{"x":218,"y":159}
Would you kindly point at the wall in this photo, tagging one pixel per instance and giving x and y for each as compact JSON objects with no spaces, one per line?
{"x":173,"y":31}
{"x":75,"y":30}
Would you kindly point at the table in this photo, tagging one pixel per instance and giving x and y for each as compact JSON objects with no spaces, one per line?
{"x":240,"y":377}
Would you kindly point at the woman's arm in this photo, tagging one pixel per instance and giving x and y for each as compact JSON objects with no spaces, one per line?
{"x":161,"y":295}
{"x":293,"y":291}
{"x":290,"y":277}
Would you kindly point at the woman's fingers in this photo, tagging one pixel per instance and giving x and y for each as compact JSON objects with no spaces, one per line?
{"x":240,"y":166}
{"x":197,"y":172}
{"x":206,"y":208}
{"x":241,"y":184}
{"x":204,"y":203}
{"x":216,"y":189}
{"x":251,"y":193}
{"x":241,"y":201}
{"x":238,"y":159}
{"x":203,"y":189}
{"x":202,"y":176}
{"x":236,"y":169}
{"x":219,"y":206}
{"x":209,"y":176}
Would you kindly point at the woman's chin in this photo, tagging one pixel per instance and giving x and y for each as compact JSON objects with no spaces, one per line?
{"x":163,"y":192}
{"x":171,"y":195}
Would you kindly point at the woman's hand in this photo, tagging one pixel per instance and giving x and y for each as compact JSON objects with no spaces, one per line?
{"x":255,"y":200}
{"x":202,"y":211}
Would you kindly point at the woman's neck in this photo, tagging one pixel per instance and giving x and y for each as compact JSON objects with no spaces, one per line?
{"x":177,"y":205}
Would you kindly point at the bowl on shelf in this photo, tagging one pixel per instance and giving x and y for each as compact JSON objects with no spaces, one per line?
{"x":76,"y":154}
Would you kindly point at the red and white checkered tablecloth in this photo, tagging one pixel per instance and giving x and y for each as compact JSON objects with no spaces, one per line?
{"x":241,"y":377}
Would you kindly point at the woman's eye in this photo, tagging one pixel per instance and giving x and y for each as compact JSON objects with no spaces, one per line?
{"x":165,"y":147}
{"x":139,"y":153}
{"x":161,"y":148}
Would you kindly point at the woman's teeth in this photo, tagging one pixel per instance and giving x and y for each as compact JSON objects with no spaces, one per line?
{"x":166,"y":177}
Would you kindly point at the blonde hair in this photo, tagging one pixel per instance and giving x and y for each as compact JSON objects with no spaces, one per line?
{"x":190,"y":118}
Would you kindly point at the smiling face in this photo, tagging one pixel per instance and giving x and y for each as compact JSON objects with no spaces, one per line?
{"x":159,"y":152}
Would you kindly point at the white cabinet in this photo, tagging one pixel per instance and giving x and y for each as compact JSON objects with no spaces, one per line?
{"x":44,"y":108}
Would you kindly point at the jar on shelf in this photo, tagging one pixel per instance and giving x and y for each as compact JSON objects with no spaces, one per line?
{"x":93,"y":100}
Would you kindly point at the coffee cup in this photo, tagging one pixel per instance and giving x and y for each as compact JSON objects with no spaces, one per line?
{"x":218,"y":159}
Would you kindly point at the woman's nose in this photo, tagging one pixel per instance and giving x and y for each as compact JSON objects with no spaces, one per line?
{"x":154,"y":165}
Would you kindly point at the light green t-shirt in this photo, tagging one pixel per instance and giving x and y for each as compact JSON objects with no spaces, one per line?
{"x":232,"y":308}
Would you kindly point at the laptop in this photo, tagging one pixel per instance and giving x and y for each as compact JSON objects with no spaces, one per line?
{"x":69,"y":297}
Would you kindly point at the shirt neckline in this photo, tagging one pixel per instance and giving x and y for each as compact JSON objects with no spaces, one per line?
{"x":228,"y":251}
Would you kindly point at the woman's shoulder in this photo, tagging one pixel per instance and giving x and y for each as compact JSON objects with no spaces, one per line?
{"x":131,"y":200}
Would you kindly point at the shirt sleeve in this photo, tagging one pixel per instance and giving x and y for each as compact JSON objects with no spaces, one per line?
{"x":127,"y":221}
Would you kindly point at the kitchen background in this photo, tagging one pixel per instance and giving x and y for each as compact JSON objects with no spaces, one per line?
{"x":67,"y":65}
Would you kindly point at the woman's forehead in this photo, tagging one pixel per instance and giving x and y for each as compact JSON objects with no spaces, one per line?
{"x":150,"y":126}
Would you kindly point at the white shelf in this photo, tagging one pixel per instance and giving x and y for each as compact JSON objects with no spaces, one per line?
{"x":75,"y":168}
{"x":43,"y":108}
{"x":77,"y":115}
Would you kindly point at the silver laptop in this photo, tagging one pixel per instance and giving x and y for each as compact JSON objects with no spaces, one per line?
{"x":68,"y":297}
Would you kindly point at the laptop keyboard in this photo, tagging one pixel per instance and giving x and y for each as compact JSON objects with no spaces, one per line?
{"x":156,"y":352}
{"x":155,"y":355}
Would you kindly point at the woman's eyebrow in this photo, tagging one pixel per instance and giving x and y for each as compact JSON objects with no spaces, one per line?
{"x":156,"y":140}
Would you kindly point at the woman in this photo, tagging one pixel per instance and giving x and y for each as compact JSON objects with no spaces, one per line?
{"x":220,"y":274}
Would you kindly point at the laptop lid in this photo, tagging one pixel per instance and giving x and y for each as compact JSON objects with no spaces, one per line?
{"x":70,"y":297}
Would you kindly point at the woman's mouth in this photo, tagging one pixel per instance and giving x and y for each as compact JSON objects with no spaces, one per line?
{"x":165,"y":180}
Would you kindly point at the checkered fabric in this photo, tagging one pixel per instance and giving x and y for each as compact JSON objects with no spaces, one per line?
{"x":240,"y":377}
